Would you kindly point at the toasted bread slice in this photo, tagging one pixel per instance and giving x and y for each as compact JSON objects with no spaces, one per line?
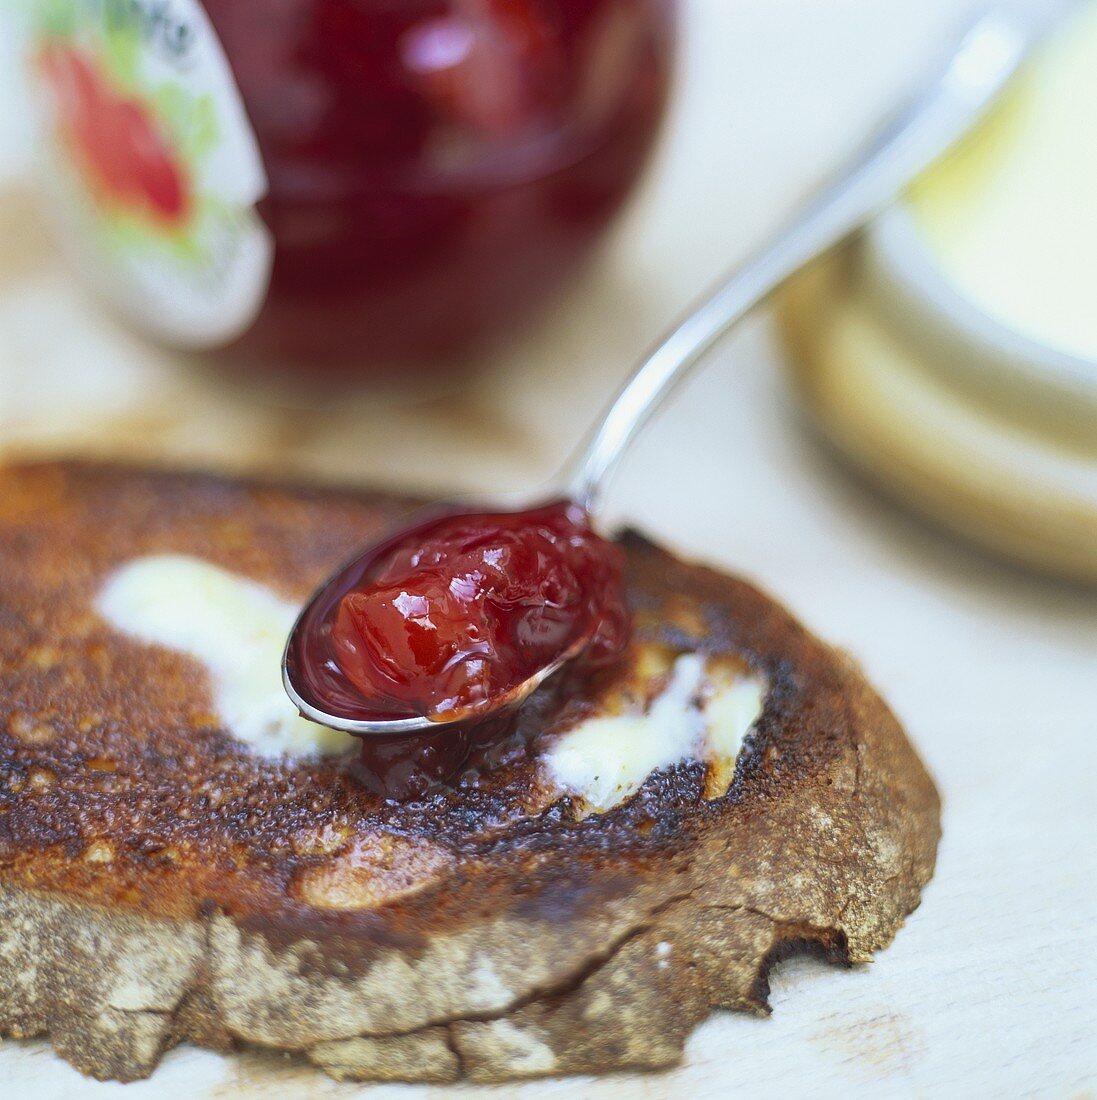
{"x":162,"y":881}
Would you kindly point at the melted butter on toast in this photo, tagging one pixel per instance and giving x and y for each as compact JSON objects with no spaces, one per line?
{"x":236,"y":628}
{"x":702,"y":714}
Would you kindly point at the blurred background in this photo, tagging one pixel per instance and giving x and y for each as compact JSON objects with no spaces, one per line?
{"x":423,"y":249}
{"x":801,"y":455}
{"x":765,"y":104}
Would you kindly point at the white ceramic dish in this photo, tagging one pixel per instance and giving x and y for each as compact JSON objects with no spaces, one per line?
{"x":1028,"y":379}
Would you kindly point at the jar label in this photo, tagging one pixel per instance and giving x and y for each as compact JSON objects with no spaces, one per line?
{"x":152,"y":164}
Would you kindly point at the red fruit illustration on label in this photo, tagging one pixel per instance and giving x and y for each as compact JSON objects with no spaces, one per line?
{"x":114,"y":140}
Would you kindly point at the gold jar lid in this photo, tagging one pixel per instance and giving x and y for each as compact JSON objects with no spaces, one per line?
{"x":962,"y":423}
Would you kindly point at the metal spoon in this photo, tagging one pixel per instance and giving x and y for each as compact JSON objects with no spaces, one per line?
{"x":946,"y":108}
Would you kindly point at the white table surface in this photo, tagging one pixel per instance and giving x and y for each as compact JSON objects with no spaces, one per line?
{"x":991,"y":988}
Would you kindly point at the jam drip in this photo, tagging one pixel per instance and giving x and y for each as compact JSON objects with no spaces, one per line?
{"x":446,"y":620}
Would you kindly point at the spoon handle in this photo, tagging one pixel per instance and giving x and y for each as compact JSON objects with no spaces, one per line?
{"x":986,"y":58}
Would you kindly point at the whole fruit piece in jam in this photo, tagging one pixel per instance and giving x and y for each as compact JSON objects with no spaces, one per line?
{"x":467,"y":610}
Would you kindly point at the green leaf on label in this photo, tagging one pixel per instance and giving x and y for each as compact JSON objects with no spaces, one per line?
{"x":128,"y":236}
{"x":190,"y":123}
{"x":205,"y":134}
{"x":122,"y":52}
{"x":173,"y":109}
{"x":51,"y":18}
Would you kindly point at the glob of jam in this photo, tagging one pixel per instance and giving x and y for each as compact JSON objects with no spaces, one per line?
{"x":468,"y":611}
{"x":450,"y":619}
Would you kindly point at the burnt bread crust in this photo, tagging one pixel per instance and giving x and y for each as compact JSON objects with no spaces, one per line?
{"x":161,"y":883}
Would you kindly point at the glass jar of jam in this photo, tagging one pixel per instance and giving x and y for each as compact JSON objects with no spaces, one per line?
{"x":342,"y":186}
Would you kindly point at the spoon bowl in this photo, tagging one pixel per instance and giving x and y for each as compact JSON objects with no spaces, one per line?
{"x":320,"y":689}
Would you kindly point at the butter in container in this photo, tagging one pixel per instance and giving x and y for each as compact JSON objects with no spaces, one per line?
{"x":951,"y":351}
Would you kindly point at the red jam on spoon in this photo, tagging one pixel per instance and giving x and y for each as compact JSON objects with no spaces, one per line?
{"x":446,"y":620}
